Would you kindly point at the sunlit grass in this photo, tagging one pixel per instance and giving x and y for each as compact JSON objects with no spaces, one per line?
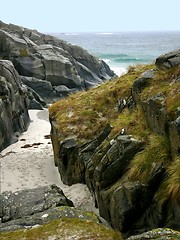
{"x":156,"y":151}
{"x":85,"y":114}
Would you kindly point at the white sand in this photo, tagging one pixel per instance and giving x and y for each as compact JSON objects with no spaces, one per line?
{"x":25,"y":168}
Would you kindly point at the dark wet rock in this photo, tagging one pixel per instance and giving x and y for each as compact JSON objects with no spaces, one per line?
{"x":14,"y":117}
{"x":132,"y":199}
{"x":156,"y":176}
{"x":68,"y":165}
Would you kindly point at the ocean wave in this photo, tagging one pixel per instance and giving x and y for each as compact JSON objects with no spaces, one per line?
{"x":106,"y":60}
{"x":119,"y":71}
{"x":120,"y":60}
{"x":113,"y":55}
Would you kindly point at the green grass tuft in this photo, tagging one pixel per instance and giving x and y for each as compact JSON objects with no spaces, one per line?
{"x":156,"y":151}
{"x":170,"y":187}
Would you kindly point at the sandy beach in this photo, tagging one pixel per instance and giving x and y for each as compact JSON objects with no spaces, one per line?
{"x":29,"y":163}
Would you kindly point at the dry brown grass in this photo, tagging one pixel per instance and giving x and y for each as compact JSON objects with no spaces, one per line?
{"x":85,"y":114}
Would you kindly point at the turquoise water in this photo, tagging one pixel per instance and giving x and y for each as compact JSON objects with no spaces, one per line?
{"x":120,"y":50}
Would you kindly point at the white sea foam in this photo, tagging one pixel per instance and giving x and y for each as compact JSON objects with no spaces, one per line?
{"x":71,"y":34}
{"x":106,"y":60}
{"x":105,"y":33}
{"x":119,"y":70}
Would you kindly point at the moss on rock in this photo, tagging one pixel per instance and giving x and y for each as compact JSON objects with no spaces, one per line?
{"x":64,"y":229}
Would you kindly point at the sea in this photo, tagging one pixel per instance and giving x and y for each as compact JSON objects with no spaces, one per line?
{"x":123,"y":49}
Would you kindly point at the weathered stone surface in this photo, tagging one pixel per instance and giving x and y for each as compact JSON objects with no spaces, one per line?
{"x":47,"y":215}
{"x":168,"y":60}
{"x":48,"y":206}
{"x":132,"y":199}
{"x":42,"y":87}
{"x":159,"y":234}
{"x":14,"y":118}
{"x":50,"y":59}
{"x":63,"y":91}
{"x":114,"y":162}
{"x":31,"y":201}
{"x":68,"y":164}
{"x":143,"y":81}
{"x":155,"y":112}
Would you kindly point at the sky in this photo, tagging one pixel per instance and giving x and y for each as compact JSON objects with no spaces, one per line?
{"x":93,"y":15}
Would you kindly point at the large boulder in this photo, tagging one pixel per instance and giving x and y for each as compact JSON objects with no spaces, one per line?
{"x":50,"y":59}
{"x":168,"y":60}
{"x":46,"y":213}
{"x":14,"y":118}
{"x":31,"y":201}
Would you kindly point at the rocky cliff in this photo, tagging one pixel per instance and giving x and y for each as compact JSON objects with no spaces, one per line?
{"x":14,"y":117}
{"x":122,"y":139}
{"x":50,"y":66}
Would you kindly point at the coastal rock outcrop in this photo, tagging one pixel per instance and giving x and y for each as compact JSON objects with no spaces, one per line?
{"x":168,"y":60}
{"x":159,"y":233}
{"x":28,"y":202}
{"x":129,"y":159}
{"x":14,"y":117}
{"x":46,"y":58}
{"x":48,"y":211}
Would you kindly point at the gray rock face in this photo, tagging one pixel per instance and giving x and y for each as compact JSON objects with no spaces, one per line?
{"x":155,"y":112}
{"x":50,"y":59}
{"x":42,"y":87}
{"x":143,"y":81}
{"x":114,"y":162}
{"x":133,"y":199}
{"x":159,"y":234}
{"x":168,"y":60}
{"x":31,"y":201}
{"x":100,"y":166}
{"x":14,"y":118}
{"x":46,"y":216}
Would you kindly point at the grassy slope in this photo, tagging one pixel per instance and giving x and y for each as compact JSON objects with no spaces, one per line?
{"x":86,"y":114}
